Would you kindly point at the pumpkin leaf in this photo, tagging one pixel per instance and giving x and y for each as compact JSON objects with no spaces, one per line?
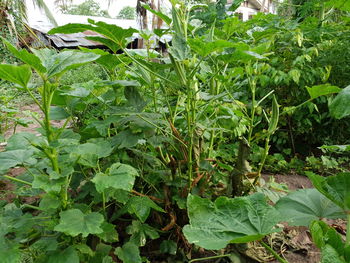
{"x":74,"y":222}
{"x":213,"y":225}
{"x":301,"y":207}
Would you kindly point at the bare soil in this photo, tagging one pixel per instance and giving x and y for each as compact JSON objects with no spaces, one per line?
{"x":33,"y":126}
{"x":293,"y":181}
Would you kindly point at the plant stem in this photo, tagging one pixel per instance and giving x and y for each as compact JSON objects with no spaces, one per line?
{"x":32,"y":207}
{"x":262,"y":163}
{"x":190,"y":133}
{"x":208,"y":258}
{"x":104,"y":201}
{"x":273,"y":252}
{"x":347,"y":242}
{"x":17,"y":180}
{"x":252,"y":116}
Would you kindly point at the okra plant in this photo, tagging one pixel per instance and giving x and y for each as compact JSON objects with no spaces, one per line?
{"x":135,"y":152}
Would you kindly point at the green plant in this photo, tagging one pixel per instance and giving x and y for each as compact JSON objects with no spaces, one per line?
{"x":87,"y":8}
{"x":158,"y":136}
{"x":127,"y":12}
{"x":336,"y":188}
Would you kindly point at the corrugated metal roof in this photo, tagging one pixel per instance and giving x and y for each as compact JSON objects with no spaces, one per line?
{"x":72,"y":40}
{"x":77,"y":39}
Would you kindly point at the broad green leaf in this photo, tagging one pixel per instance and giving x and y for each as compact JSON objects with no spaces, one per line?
{"x":109,"y":233}
{"x":164,"y":17}
{"x":47,"y":244}
{"x":330,"y":255}
{"x":126,"y":139}
{"x":12,"y":219}
{"x":240,"y":52}
{"x":69,"y":255}
{"x":102,"y":126}
{"x":101,"y":254}
{"x":129,"y":253}
{"x":168,"y":246}
{"x":118,"y":176}
{"x":301,"y":207}
{"x":110,"y":61}
{"x":323,"y":235}
{"x":141,"y":207}
{"x":347,"y":253}
{"x":26,"y":57}
{"x":76,"y":91}
{"x":10,"y":159}
{"x":24,"y":141}
{"x":340,"y":106}
{"x":115,"y":36}
{"x":87,"y":154}
{"x":16,"y":74}
{"x":58,"y":113}
{"x":84,"y":249}
{"x":107,"y":259}
{"x":343,"y":5}
{"x":105,"y":41}
{"x":140,"y":232}
{"x":213,"y":225}
{"x":321,"y":90}
{"x":255,"y":55}
{"x":44,"y":182}
{"x":9,"y":253}
{"x":204,"y":48}
{"x":57,"y":63}
{"x":87,"y":159}
{"x":134,"y":98}
{"x":235,"y":5}
{"x":179,"y":49}
{"x":50,"y":202}
{"x":126,"y":83}
{"x":335,"y":188}
{"x":336,"y":148}
{"x":74,"y":222}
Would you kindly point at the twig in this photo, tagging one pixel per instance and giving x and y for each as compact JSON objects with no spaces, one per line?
{"x":153,"y":198}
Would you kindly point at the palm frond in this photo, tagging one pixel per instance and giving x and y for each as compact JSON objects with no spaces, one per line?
{"x":41,"y":4}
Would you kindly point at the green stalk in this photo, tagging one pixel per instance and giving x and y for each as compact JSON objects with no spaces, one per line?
{"x":17,"y":180}
{"x":273,"y":252}
{"x":296,"y":107}
{"x":347,"y":242}
{"x":104,"y":201}
{"x":266,"y":153}
{"x":190,"y":133}
{"x":52,"y":154}
{"x":208,"y":258}
{"x":252,"y":116}
{"x":32,"y":207}
{"x":322,"y":12}
{"x":211,"y":144}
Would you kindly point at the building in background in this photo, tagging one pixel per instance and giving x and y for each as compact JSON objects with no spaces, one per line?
{"x":251,"y":7}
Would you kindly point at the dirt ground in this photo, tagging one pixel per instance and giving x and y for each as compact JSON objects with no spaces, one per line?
{"x":33,"y":126}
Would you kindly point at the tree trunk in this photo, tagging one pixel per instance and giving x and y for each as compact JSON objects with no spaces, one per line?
{"x":262,"y":8}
